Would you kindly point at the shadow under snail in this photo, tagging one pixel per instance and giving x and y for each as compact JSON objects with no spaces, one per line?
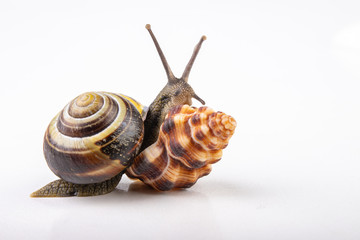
{"x":96,"y":137}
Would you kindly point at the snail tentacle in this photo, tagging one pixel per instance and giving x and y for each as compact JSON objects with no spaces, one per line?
{"x":187,"y":70}
{"x":171,"y":77}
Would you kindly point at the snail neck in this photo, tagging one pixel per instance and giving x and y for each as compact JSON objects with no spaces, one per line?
{"x":174,"y":93}
{"x":170,"y":96}
{"x":152,"y":125}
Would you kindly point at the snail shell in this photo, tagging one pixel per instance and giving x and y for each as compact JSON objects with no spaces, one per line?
{"x":190,"y":140}
{"x":95,"y":137}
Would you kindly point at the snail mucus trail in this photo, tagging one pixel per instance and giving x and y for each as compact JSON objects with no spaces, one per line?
{"x":177,"y":91}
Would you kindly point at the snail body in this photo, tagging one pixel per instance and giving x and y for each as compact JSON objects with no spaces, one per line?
{"x":92,"y":141}
{"x":190,"y":140}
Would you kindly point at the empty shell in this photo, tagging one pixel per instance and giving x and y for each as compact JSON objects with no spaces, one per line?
{"x":190,"y":140}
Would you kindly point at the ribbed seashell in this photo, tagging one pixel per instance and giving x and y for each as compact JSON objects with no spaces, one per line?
{"x":95,"y":137}
{"x":190,"y":140}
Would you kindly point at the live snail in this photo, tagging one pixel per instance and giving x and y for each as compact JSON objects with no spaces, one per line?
{"x":96,"y":137}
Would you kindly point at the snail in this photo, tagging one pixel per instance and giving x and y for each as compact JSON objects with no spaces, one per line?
{"x":190,"y":140}
{"x":92,"y":141}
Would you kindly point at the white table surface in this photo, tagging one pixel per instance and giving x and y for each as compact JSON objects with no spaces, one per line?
{"x":287,"y":71}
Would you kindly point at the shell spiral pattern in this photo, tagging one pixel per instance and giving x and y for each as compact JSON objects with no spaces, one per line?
{"x":190,"y":140}
{"x":94,"y":137}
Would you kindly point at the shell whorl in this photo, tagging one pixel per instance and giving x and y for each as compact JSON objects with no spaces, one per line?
{"x":95,"y":137}
{"x":190,"y":140}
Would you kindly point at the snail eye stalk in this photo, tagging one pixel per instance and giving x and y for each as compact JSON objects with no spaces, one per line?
{"x":170,"y":75}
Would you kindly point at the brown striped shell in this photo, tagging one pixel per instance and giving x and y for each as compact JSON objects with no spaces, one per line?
{"x":190,"y":140}
{"x":95,"y":137}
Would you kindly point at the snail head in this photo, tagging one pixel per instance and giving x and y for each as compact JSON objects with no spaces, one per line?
{"x":177,"y":91}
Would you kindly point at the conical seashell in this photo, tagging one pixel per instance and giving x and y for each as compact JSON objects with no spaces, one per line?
{"x":190,"y":140}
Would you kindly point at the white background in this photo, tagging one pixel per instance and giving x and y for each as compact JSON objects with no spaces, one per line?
{"x":287,"y":71}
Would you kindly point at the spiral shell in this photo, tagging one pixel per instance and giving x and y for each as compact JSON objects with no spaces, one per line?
{"x":95,"y":137}
{"x":190,"y":140}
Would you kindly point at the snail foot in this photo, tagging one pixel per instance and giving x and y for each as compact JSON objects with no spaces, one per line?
{"x":61,"y":188}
